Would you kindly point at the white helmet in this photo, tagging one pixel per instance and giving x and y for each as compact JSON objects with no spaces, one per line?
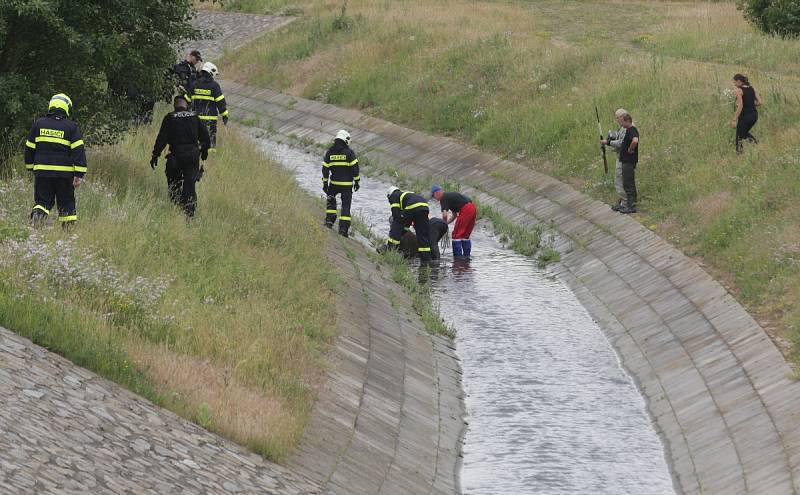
{"x":344,"y":136}
{"x":391,"y":190}
{"x":210,"y":68}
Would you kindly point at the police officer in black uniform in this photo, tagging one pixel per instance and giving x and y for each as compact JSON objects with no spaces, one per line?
{"x":208,"y":101}
{"x":182,"y":130}
{"x":340,"y":176}
{"x":409,"y":208}
{"x":55,"y":153}
{"x":185,"y":71}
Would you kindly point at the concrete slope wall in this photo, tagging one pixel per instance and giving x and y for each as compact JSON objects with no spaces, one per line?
{"x":67,"y":431}
{"x":719,"y":391}
{"x":389,"y":418}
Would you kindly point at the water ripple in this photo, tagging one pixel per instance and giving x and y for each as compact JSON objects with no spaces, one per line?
{"x":550,"y":409}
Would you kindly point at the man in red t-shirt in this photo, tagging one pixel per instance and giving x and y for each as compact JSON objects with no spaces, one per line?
{"x":463,"y":212}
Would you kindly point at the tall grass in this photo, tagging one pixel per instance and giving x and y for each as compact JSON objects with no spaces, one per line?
{"x":223,"y":319}
{"x":522,"y":79}
{"x":274,"y":7}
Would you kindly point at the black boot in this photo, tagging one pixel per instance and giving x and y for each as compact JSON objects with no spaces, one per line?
{"x":38,"y":218}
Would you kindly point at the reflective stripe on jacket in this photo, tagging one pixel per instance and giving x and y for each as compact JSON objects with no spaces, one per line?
{"x":406,"y":203}
{"x":54,"y":147}
{"x":207,"y":98}
{"x":340,"y":165}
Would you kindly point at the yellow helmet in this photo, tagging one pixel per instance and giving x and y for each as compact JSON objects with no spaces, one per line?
{"x":61,"y":101}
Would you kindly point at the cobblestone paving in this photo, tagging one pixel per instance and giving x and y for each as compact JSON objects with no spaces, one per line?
{"x":231,"y":31}
{"x":64,"y":430}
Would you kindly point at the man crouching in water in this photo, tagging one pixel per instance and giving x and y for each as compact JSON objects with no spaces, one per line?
{"x":182,"y":130}
{"x":409,"y":244}
{"x":409,"y":208}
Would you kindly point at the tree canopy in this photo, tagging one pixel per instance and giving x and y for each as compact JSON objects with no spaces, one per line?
{"x":779,"y":17}
{"x":107,"y":55}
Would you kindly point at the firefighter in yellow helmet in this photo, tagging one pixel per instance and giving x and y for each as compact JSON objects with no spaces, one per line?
{"x":54,"y":152}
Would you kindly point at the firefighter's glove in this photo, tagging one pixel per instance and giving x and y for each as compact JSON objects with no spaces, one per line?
{"x":204,"y":155}
{"x":154,"y":162}
{"x":325,"y":187}
{"x":200,"y":173}
{"x":224,"y":120}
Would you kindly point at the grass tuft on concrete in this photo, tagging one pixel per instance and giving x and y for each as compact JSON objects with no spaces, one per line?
{"x":416,"y":286}
{"x":223,"y":320}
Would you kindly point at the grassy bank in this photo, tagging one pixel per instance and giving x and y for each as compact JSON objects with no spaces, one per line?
{"x":522,"y":79}
{"x":224,"y":319}
{"x":273,"y":7}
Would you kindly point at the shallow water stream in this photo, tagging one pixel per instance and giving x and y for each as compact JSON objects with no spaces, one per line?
{"x":550,"y":409}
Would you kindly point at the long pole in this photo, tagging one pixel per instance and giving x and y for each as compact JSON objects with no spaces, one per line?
{"x":602,"y":146}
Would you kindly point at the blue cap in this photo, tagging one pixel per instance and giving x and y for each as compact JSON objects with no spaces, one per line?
{"x":435,"y":188}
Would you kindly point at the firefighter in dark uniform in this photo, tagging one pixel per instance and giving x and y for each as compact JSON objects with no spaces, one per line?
{"x":208,"y":102}
{"x":409,"y":208}
{"x":182,"y":130}
{"x":340,"y":176}
{"x":55,"y":153}
{"x":185,"y":71}
{"x":409,"y":244}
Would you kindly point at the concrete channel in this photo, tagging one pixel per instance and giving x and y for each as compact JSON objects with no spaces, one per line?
{"x":721,"y":395}
{"x":550,"y":409}
{"x":389,"y":418}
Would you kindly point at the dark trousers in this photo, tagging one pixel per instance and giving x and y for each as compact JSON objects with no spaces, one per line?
{"x":629,"y":182}
{"x":409,"y":245}
{"x":49,"y":190}
{"x":346,"y":192}
{"x":211,"y":125}
{"x":182,"y":171}
{"x":421,"y":227}
{"x":743,"y":126}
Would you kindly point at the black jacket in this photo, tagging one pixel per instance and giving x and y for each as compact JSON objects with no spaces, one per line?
{"x":207,"y":98}
{"x":406,"y":205}
{"x":409,"y":245}
{"x":182,"y":130}
{"x":340,"y":165}
{"x":185,"y":74}
{"x":54,"y":147}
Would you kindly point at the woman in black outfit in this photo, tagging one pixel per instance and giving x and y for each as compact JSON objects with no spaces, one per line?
{"x":746,"y":115}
